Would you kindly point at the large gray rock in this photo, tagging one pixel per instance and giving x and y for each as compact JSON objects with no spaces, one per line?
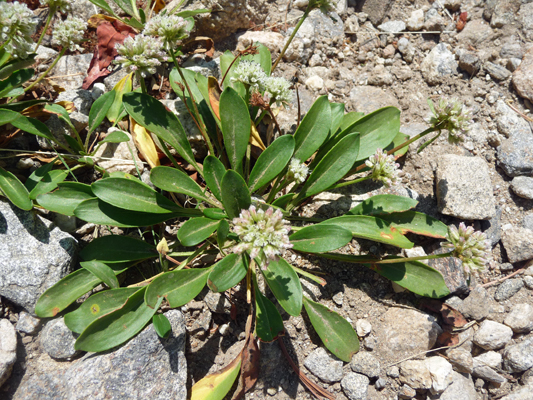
{"x":475,"y":305}
{"x":492,"y":335}
{"x":504,"y":13}
{"x":475,"y":33}
{"x":526,"y":19}
{"x":523,"y":186}
{"x":323,"y":365}
{"x":520,"y":319}
{"x":461,"y":388}
{"x":520,"y":393}
{"x":145,"y":367}
{"x":438,"y":63}
{"x":519,"y":357}
{"x":73,"y":70}
{"x":35,"y":255}
{"x":509,"y":122}
{"x":464,"y":188}
{"x":518,"y":243}
{"x":355,"y":386}
{"x":8,"y":349}
{"x":366,"y":364}
{"x":403,"y":333}
{"x":367,"y":99}
{"x":376,"y":10}
{"x":508,"y":289}
{"x":523,"y":77}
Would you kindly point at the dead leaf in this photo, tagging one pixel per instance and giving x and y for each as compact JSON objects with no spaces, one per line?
{"x":255,"y":139}
{"x":448,"y":339}
{"x":144,"y":143}
{"x":449,"y":314}
{"x":214,"y":95}
{"x":461,"y":22}
{"x":249,"y":367}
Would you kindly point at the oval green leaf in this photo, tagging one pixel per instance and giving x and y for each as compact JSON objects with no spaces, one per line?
{"x":14,"y":190}
{"x":196,"y":230}
{"x":102,"y":272}
{"x":116,"y":248}
{"x":268,"y":324}
{"x":313,"y":130}
{"x":99,"y":110}
{"x":235,"y":194}
{"x":222,"y":232}
{"x":214,"y":213}
{"x":178,"y":287}
{"x":320,"y":238}
{"x":285,"y":284}
{"x":116,"y":137}
{"x":48,"y":182}
{"x":213,"y":173}
{"x":161,"y":325}
{"x":65,"y":199}
{"x":227,"y":273}
{"x":383,"y":204}
{"x":271,"y":162}
{"x":176,"y":181}
{"x":419,"y":223}
{"x":336,"y":333}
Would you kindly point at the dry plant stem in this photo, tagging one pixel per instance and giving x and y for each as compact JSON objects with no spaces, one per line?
{"x":63,"y":50}
{"x":519,"y":271}
{"x":51,"y":13}
{"x":233,"y":62}
{"x":300,"y":22}
{"x":340,"y":257}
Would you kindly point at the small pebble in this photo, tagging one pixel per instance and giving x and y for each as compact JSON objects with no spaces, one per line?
{"x":363,"y":327}
{"x":381,"y":383}
{"x":272,"y":391}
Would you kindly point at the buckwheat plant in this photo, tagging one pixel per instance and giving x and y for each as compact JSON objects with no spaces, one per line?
{"x":171,"y":28}
{"x":250,"y":73}
{"x":63,"y":6}
{"x":17,"y":24}
{"x":383,"y":168}
{"x":278,"y":89}
{"x":452,"y":116}
{"x":297,"y":171}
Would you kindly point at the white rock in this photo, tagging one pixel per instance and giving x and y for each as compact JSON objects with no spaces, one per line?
{"x":363,"y":327}
{"x":492,"y":335}
{"x":392,"y":26}
{"x":416,"y":374}
{"x":324,"y":365}
{"x":8,"y":349}
{"x":416,"y":20}
{"x":272,"y":40}
{"x":441,"y":374}
{"x":520,"y":319}
{"x":489,"y":359}
{"x":98,"y":90}
{"x":438,"y":63}
{"x":315,"y":83}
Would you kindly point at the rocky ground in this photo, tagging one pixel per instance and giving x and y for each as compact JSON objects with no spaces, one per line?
{"x":370,"y":54}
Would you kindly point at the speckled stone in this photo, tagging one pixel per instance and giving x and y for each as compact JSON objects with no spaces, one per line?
{"x":508,"y":289}
{"x":58,"y":340}
{"x":323,"y":365}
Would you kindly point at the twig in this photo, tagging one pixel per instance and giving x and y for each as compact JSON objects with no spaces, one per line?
{"x":398,"y":33}
{"x":66,"y":76}
{"x":508,"y":102}
{"x":519,"y":271}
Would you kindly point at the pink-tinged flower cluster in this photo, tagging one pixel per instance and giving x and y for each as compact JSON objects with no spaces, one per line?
{"x":452,"y":116}
{"x":471,"y":247}
{"x":263,"y":234}
{"x":383,"y":167}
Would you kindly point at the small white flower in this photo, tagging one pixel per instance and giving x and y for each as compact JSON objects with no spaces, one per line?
{"x":250,"y":73}
{"x":171,"y":28}
{"x":17,"y":24}
{"x":384,"y":168}
{"x":58,"y":5}
{"x":297,"y":171}
{"x":278,"y":89}
{"x":452,"y":116}
{"x":263,"y":234}
{"x":471,"y":247}
{"x":142,"y":54}
{"x":69,"y":33}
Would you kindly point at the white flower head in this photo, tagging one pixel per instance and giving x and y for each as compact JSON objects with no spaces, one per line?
{"x":452,"y":116}
{"x":142,"y":54}
{"x":471,"y":247}
{"x":263,"y":234}
{"x":297,"y":171}
{"x":170,"y":28}
{"x":384,"y":168}
{"x":17,"y":24}
{"x":250,"y":73}
{"x":278,"y":89}
{"x":58,"y":5}
{"x":69,"y":33}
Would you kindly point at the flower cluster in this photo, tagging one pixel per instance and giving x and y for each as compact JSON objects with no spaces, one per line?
{"x":297,"y":171}
{"x":452,"y":116}
{"x":384,"y":168}
{"x":17,"y":24}
{"x":63,"y":6}
{"x":170,"y":28}
{"x":264,"y":234}
{"x":252,"y":74}
{"x":69,"y":33}
{"x":142,"y":54}
{"x":324,"y":5}
{"x":471,"y":247}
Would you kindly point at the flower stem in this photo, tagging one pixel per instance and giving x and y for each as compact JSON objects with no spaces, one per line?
{"x":300,"y":22}
{"x":61,"y":54}
{"x":372,"y":260}
{"x":51,"y":13}
{"x":142,"y":82}
{"x":342,"y":184}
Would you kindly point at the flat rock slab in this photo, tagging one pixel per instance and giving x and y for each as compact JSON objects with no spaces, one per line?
{"x":8,"y":349}
{"x":35,"y":255}
{"x":523,"y":77}
{"x":146,"y":367}
{"x":518,"y":243}
{"x":515,"y":155}
{"x":464,"y":189}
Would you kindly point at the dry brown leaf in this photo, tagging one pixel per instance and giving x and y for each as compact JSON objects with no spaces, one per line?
{"x":144,"y":143}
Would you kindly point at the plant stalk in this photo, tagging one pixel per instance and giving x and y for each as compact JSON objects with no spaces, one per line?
{"x":300,"y":22}
{"x":61,"y":54}
{"x":51,"y":13}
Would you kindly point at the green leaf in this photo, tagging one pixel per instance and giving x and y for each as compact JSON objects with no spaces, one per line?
{"x":415,"y":276}
{"x":235,"y":194}
{"x":48,"y":183}
{"x":214,"y":213}
{"x":22,"y":105}
{"x":419,"y":223}
{"x":196,"y":230}
{"x":337,"y":115}
{"x":61,"y":113}
{"x":349,"y":118}
{"x":373,"y":228}
{"x":178,"y":287}
{"x":192,"y":13}
{"x":313,"y":129}
{"x":213,"y":173}
{"x":332,"y":167}
{"x":65,"y":292}
{"x":15,"y":190}
{"x":115,"y":248}
{"x":383,"y":204}
{"x":398,"y":139}
{"x":222,"y":232}
{"x":154,"y":117}
{"x":285,"y":285}
{"x":102,"y":272}
{"x":16,"y":65}
{"x":66,"y":198}
{"x":38,"y":174}
{"x":104,"y":6}
{"x":161,"y":325}
{"x":268,"y":324}
{"x":271,"y":162}
{"x":336,"y":333}
{"x":282,"y":201}
{"x":116,"y":137}
{"x":320,"y":238}
{"x":17,"y":78}
{"x":26,"y":124}
{"x":96,"y":306}
{"x":236,"y":126}
{"x":227,"y":273}
{"x":215,"y":386}
{"x":133,"y":195}
{"x":176,"y":181}
{"x":118,"y":326}
{"x":99,"y":110}
{"x":74,"y":144}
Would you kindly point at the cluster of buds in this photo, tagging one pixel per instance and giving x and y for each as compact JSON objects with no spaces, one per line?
{"x":142,"y":54}
{"x":471,"y":247}
{"x":69,"y":33}
{"x":297,"y":171}
{"x":17,"y":24}
{"x":170,"y":28}
{"x":263,"y":234}
{"x":452,"y":116}
{"x":383,"y":168}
